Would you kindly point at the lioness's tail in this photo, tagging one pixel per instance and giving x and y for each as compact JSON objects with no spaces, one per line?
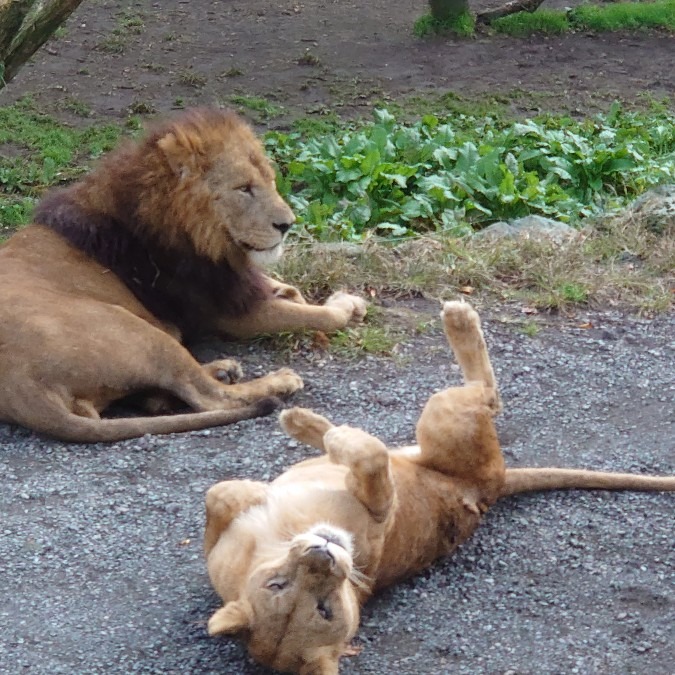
{"x":533,"y":480}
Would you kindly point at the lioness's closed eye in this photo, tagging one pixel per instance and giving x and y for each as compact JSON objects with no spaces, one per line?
{"x":294,"y":559}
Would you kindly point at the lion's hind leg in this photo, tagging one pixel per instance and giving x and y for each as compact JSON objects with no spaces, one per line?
{"x":465,"y":336}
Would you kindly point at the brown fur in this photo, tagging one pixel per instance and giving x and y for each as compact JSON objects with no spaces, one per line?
{"x":294,"y":559}
{"x":162,"y":242}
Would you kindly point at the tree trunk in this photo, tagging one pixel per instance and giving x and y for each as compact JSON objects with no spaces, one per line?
{"x":25,"y":25}
{"x":442,"y":10}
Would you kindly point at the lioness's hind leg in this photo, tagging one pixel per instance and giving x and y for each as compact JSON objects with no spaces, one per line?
{"x":465,"y":337}
{"x":369,"y":478}
{"x":305,"y":425}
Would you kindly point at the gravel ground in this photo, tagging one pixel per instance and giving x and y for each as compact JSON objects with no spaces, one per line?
{"x":100,"y":554}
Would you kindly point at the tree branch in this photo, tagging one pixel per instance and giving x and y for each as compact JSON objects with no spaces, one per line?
{"x":511,"y":7}
{"x":25,"y":25}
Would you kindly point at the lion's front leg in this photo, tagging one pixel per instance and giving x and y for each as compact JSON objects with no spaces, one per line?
{"x":284,"y":291}
{"x":369,"y":478}
{"x":278,"y":314}
{"x":225,"y":501}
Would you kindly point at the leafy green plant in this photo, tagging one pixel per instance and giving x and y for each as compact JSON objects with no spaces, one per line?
{"x":456,"y":173}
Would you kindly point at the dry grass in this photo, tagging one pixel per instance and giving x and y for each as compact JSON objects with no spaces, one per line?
{"x":616,"y":263}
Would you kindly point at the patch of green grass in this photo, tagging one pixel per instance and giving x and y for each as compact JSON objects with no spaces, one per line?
{"x":605,"y":17}
{"x":232,"y":72}
{"x":262,"y":107}
{"x":76,"y":106}
{"x":309,"y":59}
{"x":547,"y":21}
{"x":365,"y":339}
{"x":37,"y":151}
{"x":530,"y":328}
{"x":462,"y":25}
{"x":625,"y":15}
{"x":127,"y":23}
{"x":191,"y":78}
{"x":316,"y":126}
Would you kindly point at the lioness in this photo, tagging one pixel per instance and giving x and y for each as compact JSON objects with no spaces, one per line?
{"x":161,"y":243}
{"x":294,"y":560}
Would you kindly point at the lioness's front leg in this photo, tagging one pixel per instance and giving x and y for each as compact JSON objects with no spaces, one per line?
{"x":277,"y":314}
{"x":305,"y":425}
{"x":369,"y":478}
{"x":225,"y":501}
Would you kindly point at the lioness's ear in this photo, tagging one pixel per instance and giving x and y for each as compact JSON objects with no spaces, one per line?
{"x":232,"y":618}
{"x":325,"y":664}
{"x":181,"y":151}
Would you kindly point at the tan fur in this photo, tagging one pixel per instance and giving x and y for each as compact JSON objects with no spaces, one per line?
{"x":198,"y":192}
{"x":331,"y":530}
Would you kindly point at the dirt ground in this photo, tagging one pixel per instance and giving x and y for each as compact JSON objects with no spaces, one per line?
{"x":321,"y":56}
{"x":100,"y":545}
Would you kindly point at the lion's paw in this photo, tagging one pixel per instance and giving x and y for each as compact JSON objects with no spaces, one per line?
{"x":460,"y":317}
{"x":284,"y":382}
{"x":227,"y":371}
{"x":356,"y":306}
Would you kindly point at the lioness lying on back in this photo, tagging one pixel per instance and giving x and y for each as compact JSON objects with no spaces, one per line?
{"x":294,"y":560}
{"x":162,"y":243}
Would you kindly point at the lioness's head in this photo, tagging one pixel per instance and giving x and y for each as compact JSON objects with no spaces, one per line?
{"x":206,"y":179}
{"x":299,"y":611}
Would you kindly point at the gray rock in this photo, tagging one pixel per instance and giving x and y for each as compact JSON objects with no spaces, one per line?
{"x":654,"y":210}
{"x":531,"y":227}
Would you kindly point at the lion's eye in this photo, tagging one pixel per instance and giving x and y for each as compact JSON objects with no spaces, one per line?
{"x":324,"y":610}
{"x":276,"y":584}
{"x":246,"y":189}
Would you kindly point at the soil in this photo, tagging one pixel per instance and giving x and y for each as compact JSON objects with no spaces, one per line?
{"x":100,"y":544}
{"x":322,"y":56}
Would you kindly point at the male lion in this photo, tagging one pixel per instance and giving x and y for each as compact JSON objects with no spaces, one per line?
{"x":161,"y":243}
{"x":294,"y":560}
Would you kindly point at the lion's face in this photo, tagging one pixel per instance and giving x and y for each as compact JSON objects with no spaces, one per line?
{"x":225,"y":197}
{"x":299,"y":611}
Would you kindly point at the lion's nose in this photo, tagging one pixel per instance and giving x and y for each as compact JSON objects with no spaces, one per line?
{"x":282,"y":227}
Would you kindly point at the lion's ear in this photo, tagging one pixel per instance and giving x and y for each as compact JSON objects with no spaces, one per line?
{"x":232,"y":618}
{"x":324,"y":664}
{"x":182,"y":151}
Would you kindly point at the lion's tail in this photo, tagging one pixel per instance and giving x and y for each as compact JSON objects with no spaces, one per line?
{"x":533,"y":480}
{"x":68,"y":426}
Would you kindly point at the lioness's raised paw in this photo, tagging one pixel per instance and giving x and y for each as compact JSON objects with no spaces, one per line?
{"x":227,"y":371}
{"x":459,"y":317}
{"x":353,"y":304}
{"x":305,"y":425}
